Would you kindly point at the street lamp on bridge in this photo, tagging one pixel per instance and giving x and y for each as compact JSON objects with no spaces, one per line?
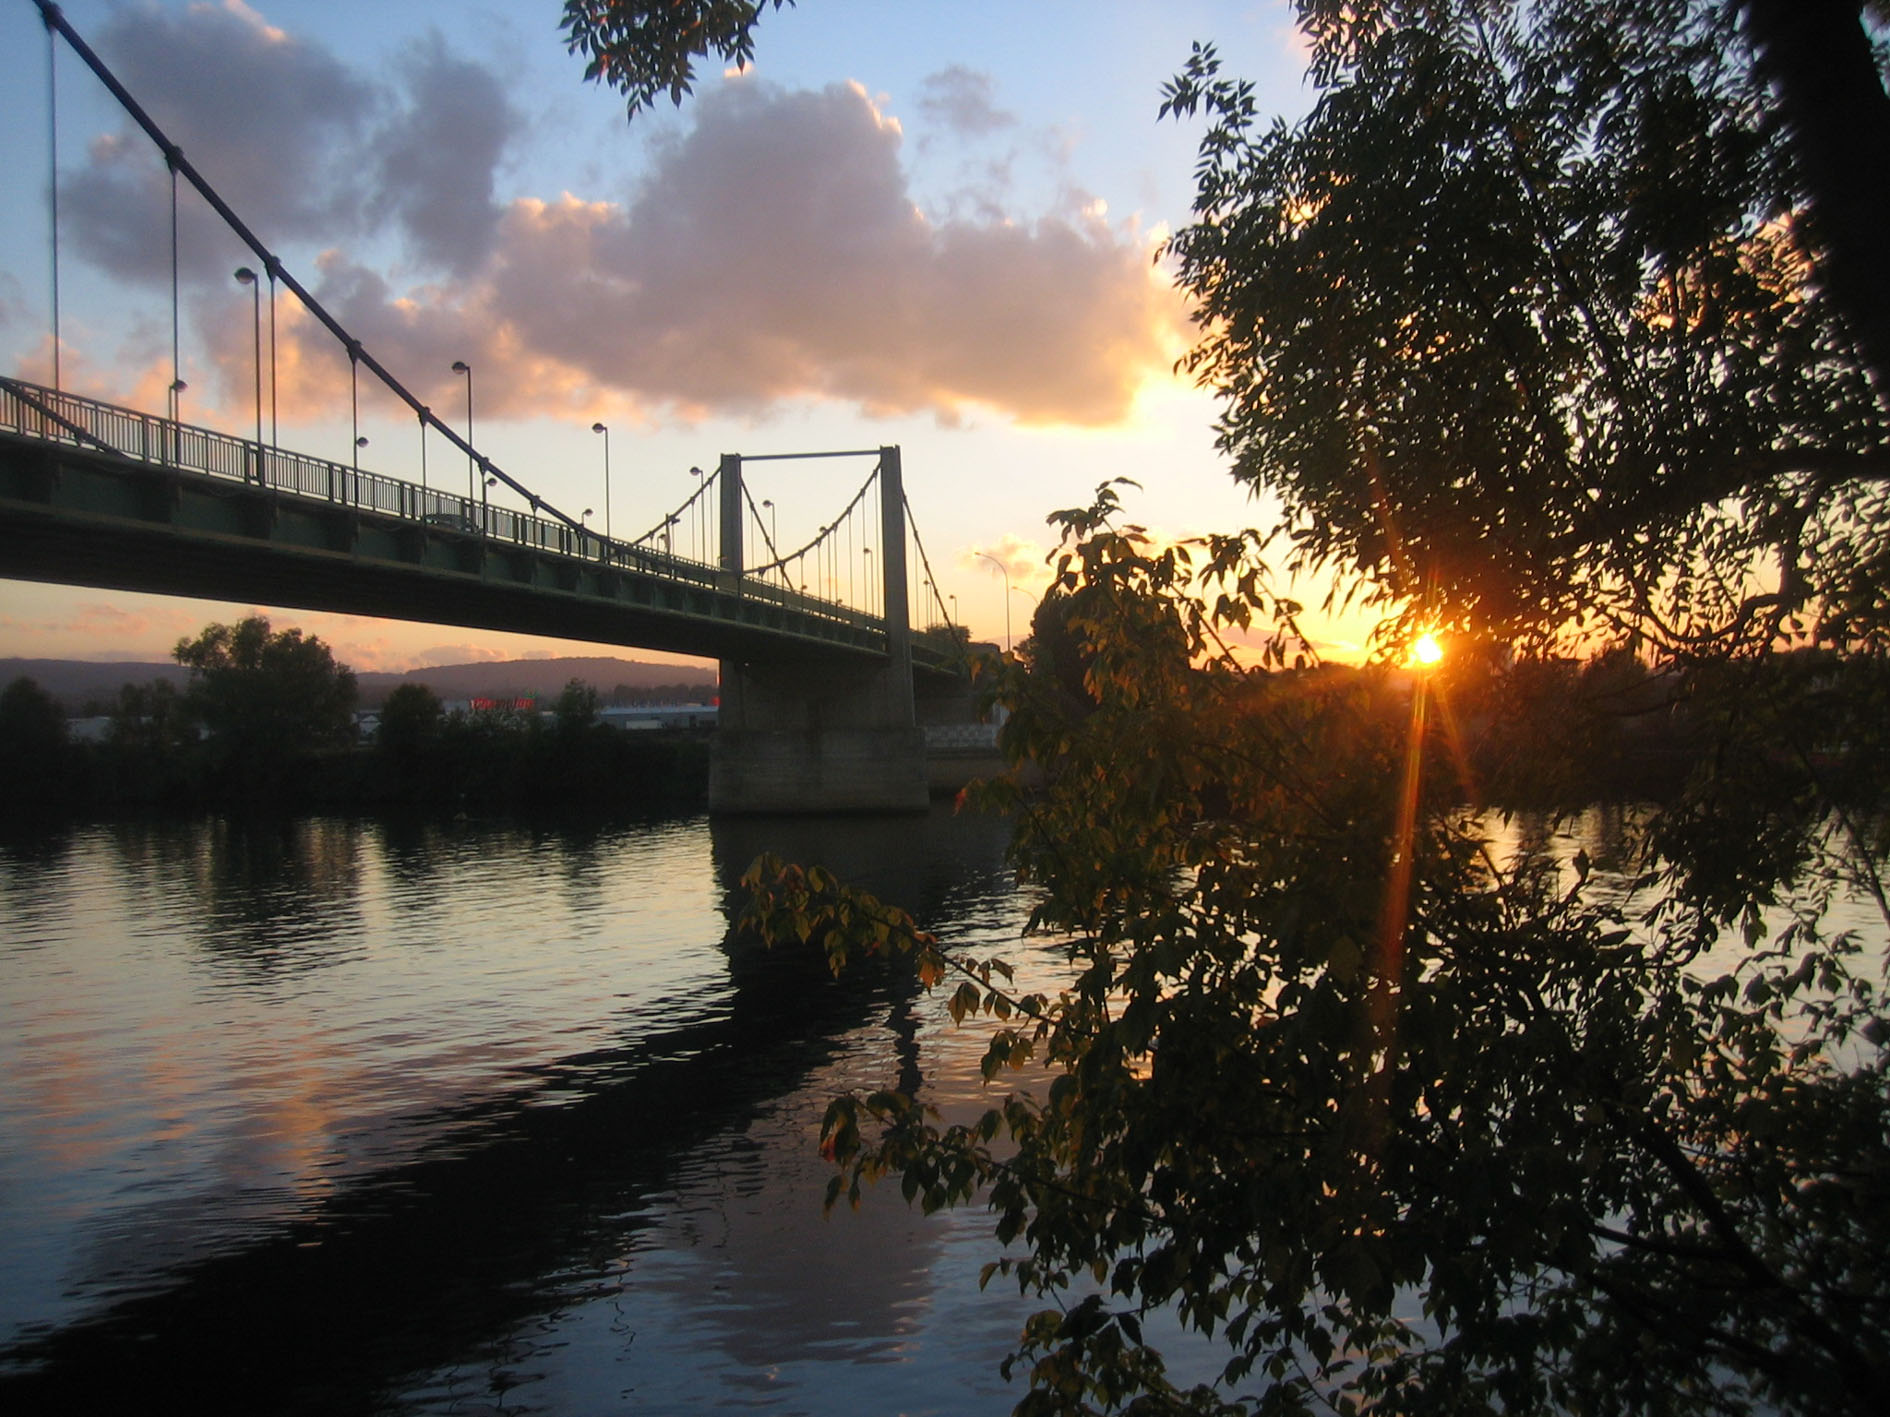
{"x":460,"y":366}
{"x":1006,"y":571}
{"x":245,"y":276}
{"x":600,"y":428}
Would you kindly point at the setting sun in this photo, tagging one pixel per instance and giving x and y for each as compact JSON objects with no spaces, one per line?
{"x":1427,"y":651}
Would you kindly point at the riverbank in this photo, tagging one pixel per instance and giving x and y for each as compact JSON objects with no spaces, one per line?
{"x":476,"y":768}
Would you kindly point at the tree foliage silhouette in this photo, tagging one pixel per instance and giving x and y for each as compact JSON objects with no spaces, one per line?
{"x":1553,"y":324}
{"x":266,"y":698}
{"x":1520,"y":328}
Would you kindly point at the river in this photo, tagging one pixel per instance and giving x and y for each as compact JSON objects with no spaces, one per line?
{"x":354,"y":1116}
{"x":359,"y":1116}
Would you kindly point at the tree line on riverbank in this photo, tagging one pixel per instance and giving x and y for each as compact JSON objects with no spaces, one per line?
{"x":267,"y":721}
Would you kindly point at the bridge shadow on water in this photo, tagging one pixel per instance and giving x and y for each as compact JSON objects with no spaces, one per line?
{"x":521,"y":1204}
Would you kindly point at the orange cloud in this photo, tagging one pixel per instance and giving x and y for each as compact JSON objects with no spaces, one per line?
{"x":773,"y":255}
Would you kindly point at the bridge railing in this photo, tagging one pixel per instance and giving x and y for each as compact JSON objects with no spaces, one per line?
{"x":51,"y":416}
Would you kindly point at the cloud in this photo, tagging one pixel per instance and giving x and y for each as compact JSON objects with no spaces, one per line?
{"x":960,"y":99}
{"x":775,"y":253}
{"x":441,"y":656}
{"x":273,"y":122}
{"x":1024,"y":560}
{"x":772,"y":254}
{"x":88,"y":628}
{"x":298,"y":144}
{"x":438,"y":154}
{"x":12,"y":302}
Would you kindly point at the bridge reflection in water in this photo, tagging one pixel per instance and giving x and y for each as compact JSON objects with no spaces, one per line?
{"x":628,"y":1204}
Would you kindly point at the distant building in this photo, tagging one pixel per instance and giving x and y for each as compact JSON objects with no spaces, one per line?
{"x":647,"y":717}
{"x":95,"y":729}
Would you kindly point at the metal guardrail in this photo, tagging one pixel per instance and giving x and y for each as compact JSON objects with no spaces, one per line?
{"x":37,"y":412}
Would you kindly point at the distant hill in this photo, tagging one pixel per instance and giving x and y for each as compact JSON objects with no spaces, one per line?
{"x":74,"y":682}
{"x":515,"y":678}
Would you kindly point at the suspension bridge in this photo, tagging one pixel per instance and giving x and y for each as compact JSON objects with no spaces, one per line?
{"x":822,"y":679}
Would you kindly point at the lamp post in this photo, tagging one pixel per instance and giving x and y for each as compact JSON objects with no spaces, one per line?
{"x":1006,"y":571}
{"x":460,"y":366}
{"x":774,"y":535}
{"x":360,"y":442}
{"x":274,"y":427}
{"x":866,"y":561}
{"x":600,"y":428}
{"x":177,"y":413}
{"x":245,"y":276}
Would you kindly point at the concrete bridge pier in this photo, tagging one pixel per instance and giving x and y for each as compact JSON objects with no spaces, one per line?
{"x":800,"y":737}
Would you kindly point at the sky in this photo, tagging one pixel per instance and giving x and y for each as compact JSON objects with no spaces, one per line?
{"x":933,"y":225}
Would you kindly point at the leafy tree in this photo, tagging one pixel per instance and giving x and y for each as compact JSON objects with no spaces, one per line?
{"x":266,"y":698}
{"x":1518,"y":324}
{"x":575,"y":710}
{"x":951,"y":641}
{"x":35,"y":752}
{"x":646,"y":48}
{"x":31,"y":720}
{"x":152,"y":719}
{"x":1405,"y":1125}
{"x":154,"y":751}
{"x":411,"y":716}
{"x":1818,"y":59}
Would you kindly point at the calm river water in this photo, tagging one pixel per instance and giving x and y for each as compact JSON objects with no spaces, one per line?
{"x":347,"y":1116}
{"x":335,"y":1116}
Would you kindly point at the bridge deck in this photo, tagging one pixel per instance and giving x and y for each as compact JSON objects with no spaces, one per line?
{"x":98,"y":496}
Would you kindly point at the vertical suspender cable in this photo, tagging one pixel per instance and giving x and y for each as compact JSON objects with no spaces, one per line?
{"x":52,"y":183}
{"x":177,"y":374}
{"x":272,"y":356}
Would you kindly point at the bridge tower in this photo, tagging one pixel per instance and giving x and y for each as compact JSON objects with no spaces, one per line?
{"x":798,"y":737}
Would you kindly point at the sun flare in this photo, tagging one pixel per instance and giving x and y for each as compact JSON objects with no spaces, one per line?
{"x":1426,"y":651}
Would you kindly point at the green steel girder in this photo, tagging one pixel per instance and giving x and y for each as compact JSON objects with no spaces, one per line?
{"x":77,"y":516}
